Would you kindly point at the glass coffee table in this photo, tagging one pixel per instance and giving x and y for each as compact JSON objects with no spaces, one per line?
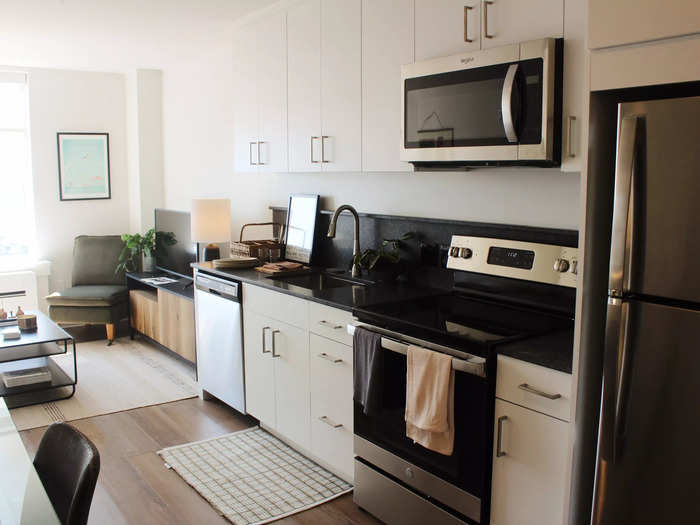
{"x":35,"y":350}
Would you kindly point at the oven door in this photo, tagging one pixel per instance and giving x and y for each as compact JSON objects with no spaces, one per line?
{"x":459,"y":481}
{"x":485,"y":107}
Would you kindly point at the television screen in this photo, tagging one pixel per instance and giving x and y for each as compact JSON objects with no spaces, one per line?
{"x":174,"y":247}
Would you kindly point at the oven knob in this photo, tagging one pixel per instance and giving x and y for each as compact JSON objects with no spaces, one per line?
{"x":561,"y":265}
{"x":465,"y":253}
{"x":454,"y":251}
{"x":409,"y":472}
{"x":574,"y":266}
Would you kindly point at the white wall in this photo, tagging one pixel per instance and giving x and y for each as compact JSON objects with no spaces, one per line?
{"x":75,"y":101}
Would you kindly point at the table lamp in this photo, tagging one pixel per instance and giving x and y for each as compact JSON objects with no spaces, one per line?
{"x":210,"y":222}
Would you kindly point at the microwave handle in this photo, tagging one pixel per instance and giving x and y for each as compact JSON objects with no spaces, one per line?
{"x":506,"y":103}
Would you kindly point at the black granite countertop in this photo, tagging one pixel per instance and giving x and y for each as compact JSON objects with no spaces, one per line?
{"x":344,"y":298}
{"x":553,"y":350}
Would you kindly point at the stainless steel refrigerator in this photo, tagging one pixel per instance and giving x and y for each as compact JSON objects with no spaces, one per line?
{"x":648,"y":460}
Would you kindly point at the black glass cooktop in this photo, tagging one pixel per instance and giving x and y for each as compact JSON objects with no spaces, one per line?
{"x":463,"y":317}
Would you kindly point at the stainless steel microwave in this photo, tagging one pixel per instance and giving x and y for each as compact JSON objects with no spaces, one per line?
{"x":499,"y":106}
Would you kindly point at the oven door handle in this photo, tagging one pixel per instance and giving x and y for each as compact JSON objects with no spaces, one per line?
{"x":473,"y":365}
{"x":507,"y":104}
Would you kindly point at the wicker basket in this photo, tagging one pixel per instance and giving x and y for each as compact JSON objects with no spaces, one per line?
{"x":266,"y":250}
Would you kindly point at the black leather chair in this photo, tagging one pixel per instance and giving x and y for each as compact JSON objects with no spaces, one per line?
{"x":68,"y":464}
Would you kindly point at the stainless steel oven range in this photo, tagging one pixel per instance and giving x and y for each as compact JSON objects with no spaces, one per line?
{"x":505,"y":291}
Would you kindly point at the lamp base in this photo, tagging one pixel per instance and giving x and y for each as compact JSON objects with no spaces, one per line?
{"x":211,"y":252}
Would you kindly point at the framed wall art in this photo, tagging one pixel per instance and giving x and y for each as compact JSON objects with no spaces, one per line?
{"x":83,"y":166}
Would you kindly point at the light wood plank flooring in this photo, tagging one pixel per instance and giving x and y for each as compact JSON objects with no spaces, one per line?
{"x":135,"y":487}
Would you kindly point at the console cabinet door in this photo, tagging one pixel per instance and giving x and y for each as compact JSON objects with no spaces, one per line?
{"x":513,"y":21}
{"x":382,"y":58}
{"x":440,"y":27}
{"x":259,"y":368}
{"x":613,"y":23}
{"x":290,"y":355}
{"x":529,"y":480}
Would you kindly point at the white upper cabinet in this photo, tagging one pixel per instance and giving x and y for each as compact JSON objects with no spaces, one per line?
{"x":304,"y":85}
{"x":324,"y":85}
{"x":341,"y":85}
{"x":245,"y":109}
{"x":382,"y":58}
{"x":445,"y":27}
{"x":575,"y":116}
{"x":510,"y":21}
{"x":260,"y":108}
{"x":619,"y":22}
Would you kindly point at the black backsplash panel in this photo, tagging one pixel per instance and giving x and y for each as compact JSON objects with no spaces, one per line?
{"x":424,"y":256}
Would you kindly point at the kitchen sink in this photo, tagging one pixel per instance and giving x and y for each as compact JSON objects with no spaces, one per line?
{"x":320,"y":281}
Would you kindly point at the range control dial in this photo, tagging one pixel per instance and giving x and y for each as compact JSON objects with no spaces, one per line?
{"x":561,"y":265}
{"x":454,"y":251}
{"x":465,"y":253}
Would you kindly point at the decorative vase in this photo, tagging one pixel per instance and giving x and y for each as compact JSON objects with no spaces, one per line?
{"x":148,"y":264}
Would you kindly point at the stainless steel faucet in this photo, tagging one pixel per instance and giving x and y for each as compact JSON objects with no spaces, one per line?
{"x":356,"y":272}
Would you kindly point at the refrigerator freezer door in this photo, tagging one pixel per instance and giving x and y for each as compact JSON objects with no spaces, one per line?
{"x":652,"y":476}
{"x":656,"y":209}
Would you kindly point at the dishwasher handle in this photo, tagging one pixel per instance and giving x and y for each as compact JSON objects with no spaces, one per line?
{"x":224,"y":288}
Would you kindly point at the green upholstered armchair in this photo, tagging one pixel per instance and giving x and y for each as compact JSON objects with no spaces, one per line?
{"x":98,"y":294}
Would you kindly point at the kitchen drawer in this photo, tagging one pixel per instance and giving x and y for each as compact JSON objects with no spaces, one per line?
{"x":514,"y":376}
{"x":276,"y":305}
{"x":333,"y":445}
{"x":330,"y":322}
{"x":331,"y":380}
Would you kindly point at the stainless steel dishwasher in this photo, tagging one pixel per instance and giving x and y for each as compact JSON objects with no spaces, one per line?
{"x":220,"y":372}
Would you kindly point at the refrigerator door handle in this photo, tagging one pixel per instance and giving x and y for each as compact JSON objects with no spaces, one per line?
{"x":623,"y":210}
{"x":616,"y":372}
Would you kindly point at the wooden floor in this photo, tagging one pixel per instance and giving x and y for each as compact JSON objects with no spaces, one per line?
{"x":135,"y":487}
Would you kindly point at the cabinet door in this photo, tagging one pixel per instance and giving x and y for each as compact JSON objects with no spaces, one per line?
{"x":575,"y":115}
{"x":290,"y":349}
{"x":272,"y":93}
{"x":382,"y":58}
{"x":259,"y":368}
{"x":528,"y":485}
{"x":341,"y":85}
{"x":511,"y":21}
{"x":304,"y":86}
{"x":627,"y":21}
{"x":440,"y":27}
{"x":245,"y":100}
{"x":175,"y":327}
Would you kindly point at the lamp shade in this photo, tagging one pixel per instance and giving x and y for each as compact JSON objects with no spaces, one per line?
{"x":211,"y":220}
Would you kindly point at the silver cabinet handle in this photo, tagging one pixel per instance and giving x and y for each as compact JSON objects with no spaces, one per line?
{"x":329,"y":324}
{"x":250,"y":154}
{"x":467,"y":8}
{"x":323,"y":148}
{"x":486,"y":5}
{"x":570,"y":136}
{"x":329,"y":422}
{"x":537,"y":392}
{"x":263,"y":339}
{"x":324,"y":355}
{"x":260,"y":163}
{"x":312,"y":150}
{"x":274,"y":353}
{"x":499,"y":438}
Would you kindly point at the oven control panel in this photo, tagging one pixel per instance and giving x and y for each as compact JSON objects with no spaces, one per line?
{"x":544,"y":263}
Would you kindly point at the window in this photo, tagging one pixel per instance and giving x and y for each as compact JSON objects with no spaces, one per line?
{"x":16,"y":198}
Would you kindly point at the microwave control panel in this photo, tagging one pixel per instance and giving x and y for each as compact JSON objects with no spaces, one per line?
{"x":544,"y":263}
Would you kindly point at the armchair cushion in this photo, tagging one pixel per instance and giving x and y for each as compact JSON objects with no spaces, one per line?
{"x":95,"y":258}
{"x":89,"y":295}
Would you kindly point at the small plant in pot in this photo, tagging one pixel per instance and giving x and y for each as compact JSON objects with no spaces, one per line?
{"x":139,"y":250}
{"x":384,"y":263}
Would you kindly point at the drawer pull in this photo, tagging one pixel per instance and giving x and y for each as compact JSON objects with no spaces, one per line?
{"x":499,"y":451}
{"x":537,"y":392}
{"x":328,"y":324}
{"x":324,"y":355}
{"x":329,"y":422}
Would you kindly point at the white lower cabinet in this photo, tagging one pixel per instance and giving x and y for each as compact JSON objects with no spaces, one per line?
{"x":259,"y":368}
{"x":528,"y":485}
{"x":331,"y":403}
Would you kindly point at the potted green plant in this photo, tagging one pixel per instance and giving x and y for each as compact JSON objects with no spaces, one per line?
{"x":139,"y":250}
{"x":384,"y":263}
